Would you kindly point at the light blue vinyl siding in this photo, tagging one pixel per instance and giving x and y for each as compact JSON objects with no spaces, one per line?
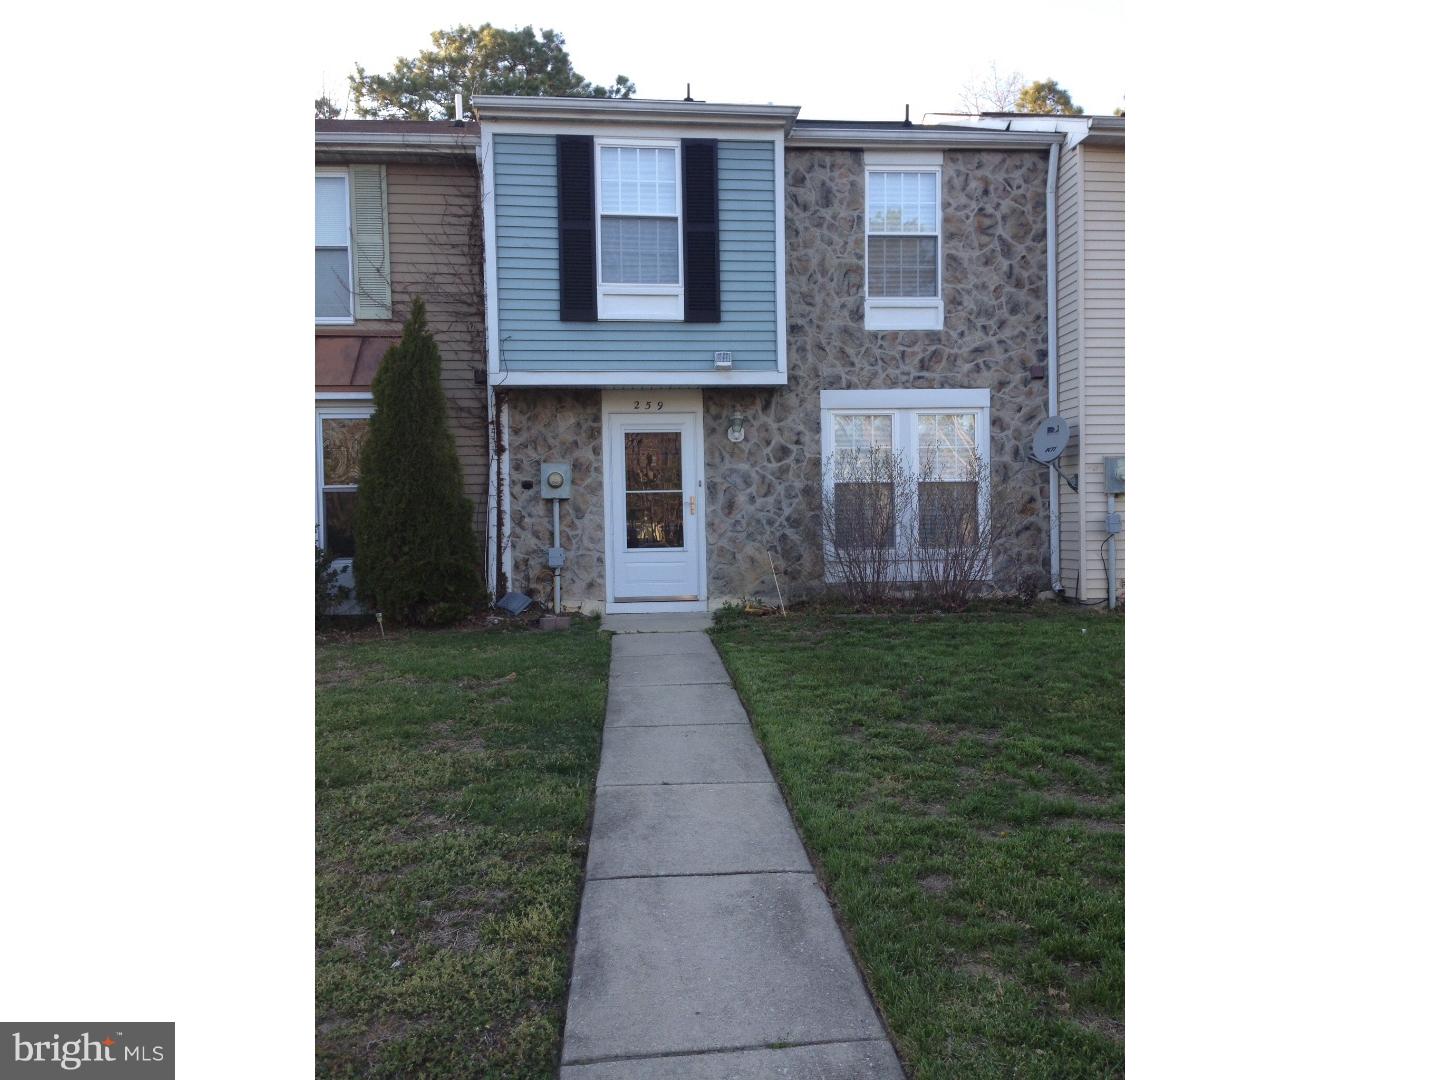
{"x":527,"y":260}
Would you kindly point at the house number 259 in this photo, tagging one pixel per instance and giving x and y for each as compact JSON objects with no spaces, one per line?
{"x":643,"y":406}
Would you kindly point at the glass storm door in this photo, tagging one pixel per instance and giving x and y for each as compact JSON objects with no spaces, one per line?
{"x":656,"y":538}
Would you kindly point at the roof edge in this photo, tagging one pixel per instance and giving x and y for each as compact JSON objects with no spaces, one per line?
{"x":449,"y":140}
{"x":953,"y":138}
{"x":504,"y":107}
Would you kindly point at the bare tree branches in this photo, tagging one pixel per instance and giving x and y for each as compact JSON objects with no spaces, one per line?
{"x":991,"y":92}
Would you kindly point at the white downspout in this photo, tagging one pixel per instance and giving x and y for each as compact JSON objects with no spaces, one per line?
{"x":1052,"y":361}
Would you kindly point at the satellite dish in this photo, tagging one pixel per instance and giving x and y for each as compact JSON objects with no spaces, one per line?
{"x":1050,"y":438}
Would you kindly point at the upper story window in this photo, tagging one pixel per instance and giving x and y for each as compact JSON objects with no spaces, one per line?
{"x":334,"y":290}
{"x":640,"y":226}
{"x":639,"y":216}
{"x":902,"y":242}
{"x":352,"y":245}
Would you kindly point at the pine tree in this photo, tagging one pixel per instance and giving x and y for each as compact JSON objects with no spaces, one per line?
{"x":475,"y":60}
{"x":416,"y":556}
{"x":1047,"y":96}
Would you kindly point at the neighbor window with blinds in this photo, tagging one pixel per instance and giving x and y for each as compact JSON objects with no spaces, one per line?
{"x":334,"y":290}
{"x":638,"y":193}
{"x":905,"y":468}
{"x":902,"y":248}
{"x":340,"y":437}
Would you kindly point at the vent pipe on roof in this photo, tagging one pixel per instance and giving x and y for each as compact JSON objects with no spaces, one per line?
{"x":907,"y":115}
{"x":459,"y":107}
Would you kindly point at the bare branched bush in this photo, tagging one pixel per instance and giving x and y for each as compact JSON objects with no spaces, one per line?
{"x":946,"y":534}
{"x":867,"y":497}
{"x":965,"y":517}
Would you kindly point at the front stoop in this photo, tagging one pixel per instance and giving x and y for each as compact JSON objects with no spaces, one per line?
{"x":706,"y":948}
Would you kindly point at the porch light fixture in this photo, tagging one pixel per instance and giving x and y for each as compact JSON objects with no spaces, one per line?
{"x":736,"y":433}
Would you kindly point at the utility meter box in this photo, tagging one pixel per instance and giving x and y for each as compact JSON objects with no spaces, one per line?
{"x":554,"y":480}
{"x":1115,"y":476}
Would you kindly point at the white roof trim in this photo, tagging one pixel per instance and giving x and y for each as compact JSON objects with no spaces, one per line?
{"x":1076,"y":128}
{"x":455,"y":140}
{"x":914,"y":138}
{"x":502,"y":107}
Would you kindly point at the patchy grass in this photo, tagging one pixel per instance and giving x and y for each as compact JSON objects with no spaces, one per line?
{"x":960,"y":781}
{"x":454,"y":773}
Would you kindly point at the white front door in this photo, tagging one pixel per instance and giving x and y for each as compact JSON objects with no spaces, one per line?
{"x":655,"y":513}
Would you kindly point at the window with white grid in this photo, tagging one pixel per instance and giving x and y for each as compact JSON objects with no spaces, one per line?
{"x":902,"y":224}
{"x":903,"y":241}
{"x":939,"y":442}
{"x":639,"y":215}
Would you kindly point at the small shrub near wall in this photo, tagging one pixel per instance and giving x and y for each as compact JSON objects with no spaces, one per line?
{"x":329,"y":593}
{"x":416,"y":556}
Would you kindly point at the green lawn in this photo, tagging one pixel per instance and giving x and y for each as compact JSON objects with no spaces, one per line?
{"x":960,"y":783}
{"x":454,"y":773}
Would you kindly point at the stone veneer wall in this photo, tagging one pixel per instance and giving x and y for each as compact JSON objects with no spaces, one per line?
{"x":557,"y":425}
{"x":763,"y":494}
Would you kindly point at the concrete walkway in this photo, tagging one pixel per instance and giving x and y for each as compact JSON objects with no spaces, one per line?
{"x":706,"y":948}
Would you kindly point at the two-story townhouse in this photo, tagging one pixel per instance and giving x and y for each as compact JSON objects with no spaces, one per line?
{"x":397,"y":215}
{"x":692,"y":304}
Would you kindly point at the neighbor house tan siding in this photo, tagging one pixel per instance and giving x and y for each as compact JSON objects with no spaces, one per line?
{"x":1091,"y":354}
{"x":434,"y":253}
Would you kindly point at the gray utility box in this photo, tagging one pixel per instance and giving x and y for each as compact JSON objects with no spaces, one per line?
{"x":554,"y":480}
{"x":1115,"y":476}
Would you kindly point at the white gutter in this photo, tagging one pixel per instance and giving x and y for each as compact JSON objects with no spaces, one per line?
{"x":1052,"y":360}
{"x":822,"y":135}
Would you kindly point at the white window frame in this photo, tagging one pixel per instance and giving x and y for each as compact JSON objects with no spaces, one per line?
{"x":634,"y":302}
{"x":342,"y":320}
{"x":904,"y":408}
{"x":332,"y":412}
{"x":884,"y":313}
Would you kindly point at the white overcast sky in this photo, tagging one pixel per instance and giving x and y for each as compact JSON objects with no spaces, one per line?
{"x":838,"y":62}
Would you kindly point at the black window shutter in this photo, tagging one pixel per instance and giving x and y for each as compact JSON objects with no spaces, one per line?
{"x":702,"y":230}
{"x":575,"y":173}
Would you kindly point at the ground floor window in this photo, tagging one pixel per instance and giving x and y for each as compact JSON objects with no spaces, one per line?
{"x":339,"y":438}
{"x":904,"y":470}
